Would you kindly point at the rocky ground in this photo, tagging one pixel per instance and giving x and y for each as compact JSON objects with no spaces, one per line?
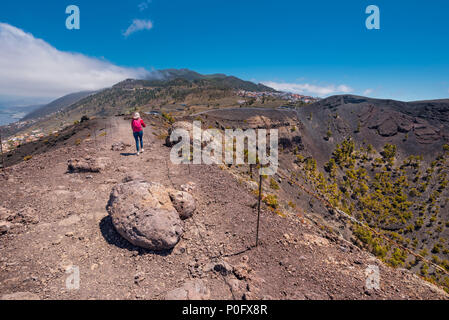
{"x":54,"y":219}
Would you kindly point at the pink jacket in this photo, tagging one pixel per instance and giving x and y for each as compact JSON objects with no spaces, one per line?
{"x":137,"y":125}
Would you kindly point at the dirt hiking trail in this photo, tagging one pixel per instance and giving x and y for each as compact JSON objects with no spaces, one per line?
{"x":60,"y":220}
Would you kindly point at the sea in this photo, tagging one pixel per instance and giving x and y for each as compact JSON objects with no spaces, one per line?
{"x":13,"y":114}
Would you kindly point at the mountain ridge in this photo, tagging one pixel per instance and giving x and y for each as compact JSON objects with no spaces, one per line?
{"x":57,"y":105}
{"x":159,"y":77}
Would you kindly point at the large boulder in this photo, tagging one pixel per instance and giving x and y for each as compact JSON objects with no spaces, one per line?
{"x":143,"y":214}
{"x":88,"y":164}
{"x":183,"y":202}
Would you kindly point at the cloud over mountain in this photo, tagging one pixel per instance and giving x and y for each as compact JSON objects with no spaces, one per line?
{"x":30,"y":67}
{"x":310,"y":89}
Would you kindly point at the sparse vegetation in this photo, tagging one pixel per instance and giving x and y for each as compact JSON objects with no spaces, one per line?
{"x":271,"y":201}
{"x":273,"y":184}
{"x":386,"y":196}
{"x":168,"y":117}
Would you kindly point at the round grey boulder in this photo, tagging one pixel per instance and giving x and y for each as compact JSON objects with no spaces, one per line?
{"x":143,"y":214}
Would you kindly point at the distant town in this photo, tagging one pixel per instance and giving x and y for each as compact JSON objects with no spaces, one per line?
{"x":13,"y":142}
{"x":288,"y":96}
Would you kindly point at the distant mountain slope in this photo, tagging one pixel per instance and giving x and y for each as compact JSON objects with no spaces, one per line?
{"x":385,"y":162}
{"x":419,"y":127}
{"x":57,"y":105}
{"x":167,"y":77}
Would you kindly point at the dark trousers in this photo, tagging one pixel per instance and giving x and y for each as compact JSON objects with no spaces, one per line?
{"x":138,"y":136}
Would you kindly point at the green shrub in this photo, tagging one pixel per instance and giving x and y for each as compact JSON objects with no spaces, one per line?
{"x":169,"y":117}
{"x":271,"y":201}
{"x":398,"y":257}
{"x":363,"y":234}
{"x":273,"y":184}
{"x":436,"y":248}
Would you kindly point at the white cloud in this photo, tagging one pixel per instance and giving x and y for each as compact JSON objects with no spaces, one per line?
{"x":367,"y":92}
{"x":30,"y":67}
{"x":138,"y":25}
{"x":310,"y":89}
{"x":144,"y":5}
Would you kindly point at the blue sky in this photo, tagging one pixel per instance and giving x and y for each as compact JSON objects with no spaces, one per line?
{"x":314,"y":47}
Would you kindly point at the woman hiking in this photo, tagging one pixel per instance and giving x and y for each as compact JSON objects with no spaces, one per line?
{"x":137,"y":124}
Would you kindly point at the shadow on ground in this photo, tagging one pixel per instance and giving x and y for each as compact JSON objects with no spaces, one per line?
{"x":114,"y":238}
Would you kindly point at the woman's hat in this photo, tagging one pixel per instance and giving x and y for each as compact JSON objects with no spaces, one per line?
{"x":136,"y":116}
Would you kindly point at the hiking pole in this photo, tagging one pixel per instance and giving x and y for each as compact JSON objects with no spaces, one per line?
{"x":258,"y":210}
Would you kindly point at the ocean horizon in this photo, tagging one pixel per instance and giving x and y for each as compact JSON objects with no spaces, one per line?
{"x":10,"y":115}
{"x":6,"y":117}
